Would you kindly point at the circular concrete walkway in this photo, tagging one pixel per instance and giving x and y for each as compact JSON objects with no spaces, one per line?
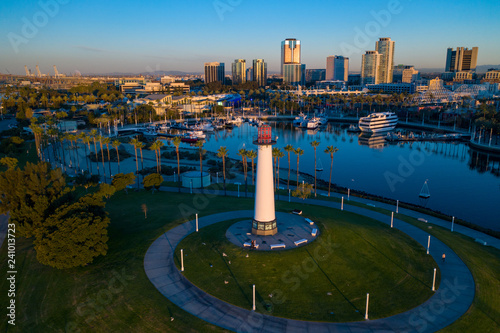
{"x":449,"y":303}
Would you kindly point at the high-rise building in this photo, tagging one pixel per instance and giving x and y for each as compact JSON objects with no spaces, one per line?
{"x":294,"y":74}
{"x":370,"y":67}
{"x":290,"y":52}
{"x":260,"y":72}
{"x":385,"y":47}
{"x":405,"y":74}
{"x":462,"y":59}
{"x":250,"y":74}
{"x":239,"y":71}
{"x":337,"y":68}
{"x":214,"y":71}
{"x":314,"y":75}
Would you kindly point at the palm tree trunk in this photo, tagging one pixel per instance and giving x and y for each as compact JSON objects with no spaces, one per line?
{"x":288,"y":180}
{"x":224,"y":173}
{"x":102,"y":160}
{"x":109,"y":160}
{"x":297,"y":170}
{"x":178,"y":170}
{"x":314,"y":171}
{"x":118,"y":156}
{"x":96,"y":158}
{"x":330,"y":182}
{"x":136,"y":167}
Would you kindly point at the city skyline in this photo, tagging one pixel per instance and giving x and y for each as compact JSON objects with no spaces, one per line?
{"x":122,"y":37}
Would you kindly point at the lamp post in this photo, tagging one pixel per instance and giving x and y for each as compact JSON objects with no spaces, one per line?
{"x":434,"y":281}
{"x":367,"y":302}
{"x":191,"y":187}
{"x":238,"y":188}
{"x":397,"y":206}
{"x":452,"y":223}
{"x":428,"y":243}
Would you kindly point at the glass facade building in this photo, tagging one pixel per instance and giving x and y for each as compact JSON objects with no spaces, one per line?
{"x":290,"y":52}
{"x":294,"y":74}
{"x":214,"y":71}
{"x":260,"y":72}
{"x":385,"y":47}
{"x":239,"y":71}
{"x":370,"y":66}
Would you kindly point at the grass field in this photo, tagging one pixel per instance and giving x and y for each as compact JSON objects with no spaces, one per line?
{"x":114,"y":294}
{"x":326,"y":280}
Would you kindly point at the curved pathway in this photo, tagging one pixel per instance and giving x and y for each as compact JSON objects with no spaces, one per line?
{"x":449,"y":303}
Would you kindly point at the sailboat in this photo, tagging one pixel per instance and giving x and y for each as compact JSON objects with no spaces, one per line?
{"x":424,"y":192}
{"x":319,"y":166}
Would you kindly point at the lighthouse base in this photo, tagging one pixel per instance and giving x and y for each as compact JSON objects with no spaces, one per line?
{"x":264,"y":228}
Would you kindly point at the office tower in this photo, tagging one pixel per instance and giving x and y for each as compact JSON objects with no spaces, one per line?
{"x":294,"y":74}
{"x":214,"y":71}
{"x":385,"y":47}
{"x":405,"y":74}
{"x":337,"y":68}
{"x":370,"y":67}
{"x":460,"y":60}
{"x":290,"y":52}
{"x":314,"y":75}
{"x":249,"y":74}
{"x":239,"y":71}
{"x":260,"y":72}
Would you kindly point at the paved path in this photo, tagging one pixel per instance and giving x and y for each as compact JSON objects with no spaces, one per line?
{"x":449,"y":303}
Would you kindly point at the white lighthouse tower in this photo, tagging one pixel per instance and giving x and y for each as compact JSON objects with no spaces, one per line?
{"x":264,"y":221}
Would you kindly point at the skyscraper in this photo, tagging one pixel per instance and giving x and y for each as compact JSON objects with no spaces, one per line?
{"x":239,"y":71}
{"x":370,"y":67}
{"x":385,"y":47}
{"x":260,"y":72}
{"x":294,"y":74}
{"x":214,"y":71}
{"x":337,"y":68}
{"x":460,"y":60}
{"x":290,"y":52}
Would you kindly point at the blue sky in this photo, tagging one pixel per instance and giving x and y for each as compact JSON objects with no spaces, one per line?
{"x":130,"y":36}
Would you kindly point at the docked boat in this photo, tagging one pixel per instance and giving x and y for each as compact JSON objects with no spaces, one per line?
{"x":378,"y":122}
{"x":319,"y":166}
{"x":424,"y":192}
{"x":189,"y":138}
{"x":313,"y":123}
{"x":353,"y":129}
{"x":300,"y":120}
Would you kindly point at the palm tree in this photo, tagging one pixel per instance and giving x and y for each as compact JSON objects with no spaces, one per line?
{"x":288,"y":149}
{"x":134,"y":142}
{"x":86,"y":140}
{"x":101,"y":138}
{"x":116,"y":144}
{"x":243,"y":153}
{"x":298,"y":152}
{"x":155,"y":147}
{"x":82,"y":136}
{"x":201,"y":151}
{"x":141,"y":145}
{"x":279,"y":156}
{"x":222,"y":153}
{"x":160,"y":144}
{"x":252,"y":154}
{"x":275,"y":153}
{"x":330,"y":150}
{"x":107,"y":141}
{"x":315,"y":144}
{"x":93,"y":134}
{"x":177,"y":141}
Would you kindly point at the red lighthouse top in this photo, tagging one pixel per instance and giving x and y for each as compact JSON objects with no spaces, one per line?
{"x":264,"y":135}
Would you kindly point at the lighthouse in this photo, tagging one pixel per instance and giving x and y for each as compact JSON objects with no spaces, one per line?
{"x":264,"y":221}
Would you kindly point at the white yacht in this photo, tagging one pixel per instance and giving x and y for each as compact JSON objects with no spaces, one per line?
{"x":378,"y":122}
{"x":313,"y":123}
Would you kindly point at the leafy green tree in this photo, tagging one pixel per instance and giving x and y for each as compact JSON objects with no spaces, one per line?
{"x":9,"y":162}
{"x":74,"y":234}
{"x":27,"y":195}
{"x":303,"y":191}
{"x":152,"y":181}
{"x":121,"y":181}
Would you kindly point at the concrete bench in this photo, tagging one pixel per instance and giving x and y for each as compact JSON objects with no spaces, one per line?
{"x":371,"y":205}
{"x":276,"y":246}
{"x":250,"y":244}
{"x":300,"y":241}
{"x":296,"y":211}
{"x":314,"y":232}
{"x":309,"y":221}
{"x":480,"y":241}
{"x":421,"y":219}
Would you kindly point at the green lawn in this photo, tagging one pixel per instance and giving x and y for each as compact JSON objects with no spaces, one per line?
{"x":326,"y":280}
{"x":114,"y":294}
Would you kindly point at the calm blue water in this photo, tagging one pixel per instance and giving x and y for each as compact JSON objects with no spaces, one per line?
{"x":462,"y":182}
